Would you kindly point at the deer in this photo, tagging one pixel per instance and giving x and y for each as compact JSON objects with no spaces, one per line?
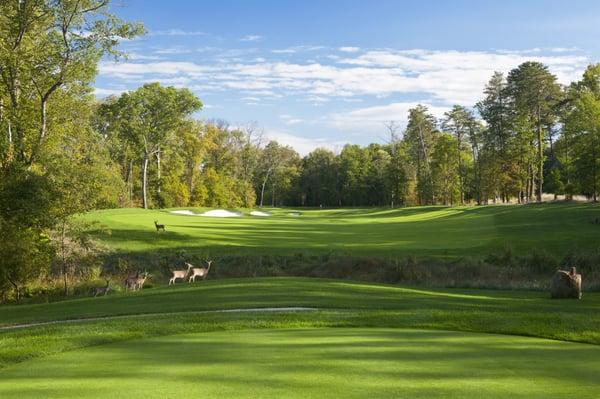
{"x":102,"y":290}
{"x":182,"y":274}
{"x":199,"y":271}
{"x":158,"y":226}
{"x":140,"y":280}
{"x":130,"y":281}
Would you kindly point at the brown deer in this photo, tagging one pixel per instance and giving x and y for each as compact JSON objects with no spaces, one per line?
{"x":158,"y":226}
{"x":130,"y":281}
{"x":102,"y":290}
{"x":199,"y":271}
{"x":182,"y":274}
{"x":139,"y":282}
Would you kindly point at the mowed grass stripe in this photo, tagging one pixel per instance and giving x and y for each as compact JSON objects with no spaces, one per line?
{"x":507,"y":312}
{"x":310,"y":363}
{"x":422,"y":231}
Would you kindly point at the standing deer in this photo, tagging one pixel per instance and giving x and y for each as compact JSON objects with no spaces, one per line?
{"x":130,"y":281}
{"x":140,"y":280}
{"x":102,"y":290}
{"x":182,"y":274}
{"x":199,"y":271}
{"x":158,"y":226}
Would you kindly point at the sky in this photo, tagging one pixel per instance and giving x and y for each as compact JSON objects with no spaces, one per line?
{"x":325,"y":73}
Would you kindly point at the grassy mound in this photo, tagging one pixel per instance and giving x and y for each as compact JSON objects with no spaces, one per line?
{"x":306,"y":363}
{"x":424,"y":231}
{"x":182,"y":309}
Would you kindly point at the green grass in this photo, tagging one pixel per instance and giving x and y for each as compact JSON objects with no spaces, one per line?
{"x":342,"y":304}
{"x":365,"y":340}
{"x":315,"y":363}
{"x":423,"y":231}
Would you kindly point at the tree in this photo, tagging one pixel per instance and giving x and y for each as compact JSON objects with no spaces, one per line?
{"x":147,"y":117}
{"x":25,"y":253}
{"x":396,"y":170}
{"x":578,"y":147}
{"x":535,"y":94}
{"x":460,"y":123}
{"x":354,"y":163}
{"x":318,"y":179}
{"x":421,"y":134}
{"x":495,"y":160}
{"x":26,"y":200}
{"x":445,"y":169}
{"x":273,"y":165}
{"x":47,"y":47}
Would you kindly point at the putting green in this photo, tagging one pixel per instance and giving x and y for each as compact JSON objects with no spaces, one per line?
{"x":321,"y":363}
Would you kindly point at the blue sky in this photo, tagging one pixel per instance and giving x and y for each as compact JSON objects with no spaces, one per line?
{"x":325,"y":73}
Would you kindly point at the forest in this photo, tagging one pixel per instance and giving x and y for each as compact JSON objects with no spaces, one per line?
{"x":64,"y":152}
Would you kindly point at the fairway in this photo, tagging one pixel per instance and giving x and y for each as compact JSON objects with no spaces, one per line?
{"x":348,"y":340}
{"x":423,"y":231}
{"x":315,"y":363}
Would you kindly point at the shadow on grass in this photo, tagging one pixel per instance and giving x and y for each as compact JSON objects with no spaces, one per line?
{"x":317,"y":362}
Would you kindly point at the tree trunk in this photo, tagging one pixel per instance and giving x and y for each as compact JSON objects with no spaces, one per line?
{"x":594,"y":154}
{"x":262,"y":192}
{"x":145,"y":181}
{"x":64,"y":258}
{"x":460,"y":170}
{"x":158,"y":170}
{"x":191,"y":182}
{"x":16,"y":287}
{"x":130,"y":182}
{"x":540,"y":178}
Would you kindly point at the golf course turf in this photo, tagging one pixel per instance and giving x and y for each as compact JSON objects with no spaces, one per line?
{"x":424,"y":231}
{"x":275,"y":337}
{"x":360,"y":340}
{"x":315,"y":363}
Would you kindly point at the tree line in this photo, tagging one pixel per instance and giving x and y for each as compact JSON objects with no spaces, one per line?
{"x":64,"y":152}
{"x":528,"y":135}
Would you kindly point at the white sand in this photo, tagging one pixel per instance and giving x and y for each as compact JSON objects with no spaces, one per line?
{"x":295,"y":214}
{"x":259,"y":213}
{"x":184,"y":212}
{"x":221,"y":213}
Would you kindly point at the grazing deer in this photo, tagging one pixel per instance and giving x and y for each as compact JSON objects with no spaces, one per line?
{"x":182,"y":274}
{"x":102,"y":290}
{"x":140,"y":280}
{"x":130,"y":281}
{"x":159,"y":227}
{"x":199,"y":271}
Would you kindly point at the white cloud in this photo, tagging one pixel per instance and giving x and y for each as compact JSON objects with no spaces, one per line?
{"x":298,"y":49}
{"x":176,"y":32}
{"x":371,"y":119}
{"x":100,"y":92}
{"x":439,"y":77}
{"x":251,"y":38}
{"x":349,"y":49}
{"x":173,"y":50}
{"x":290,"y":120}
{"x":128,"y":69}
{"x":303,"y":145}
{"x":142,"y":57}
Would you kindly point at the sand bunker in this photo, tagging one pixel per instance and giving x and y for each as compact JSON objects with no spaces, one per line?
{"x":295,"y":214}
{"x":184,"y":212}
{"x":221,"y":213}
{"x":215,"y":213}
{"x":260,"y":213}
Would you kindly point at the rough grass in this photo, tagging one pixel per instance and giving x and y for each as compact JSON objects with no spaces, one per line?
{"x":311,"y":363}
{"x":424,"y":231}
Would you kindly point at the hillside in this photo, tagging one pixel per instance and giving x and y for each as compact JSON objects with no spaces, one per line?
{"x":424,"y":231}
